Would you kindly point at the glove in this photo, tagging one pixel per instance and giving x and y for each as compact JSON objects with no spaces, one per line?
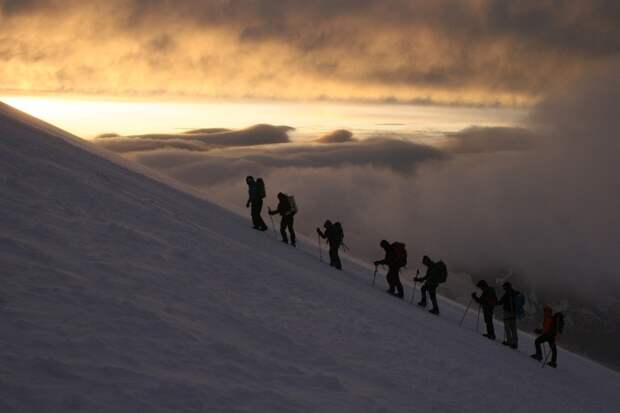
{"x":247,"y":205}
{"x":376,"y":263}
{"x":473,"y":295}
{"x":318,"y":231}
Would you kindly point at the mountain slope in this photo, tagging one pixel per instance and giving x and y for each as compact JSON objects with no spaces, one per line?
{"x":125,"y":294}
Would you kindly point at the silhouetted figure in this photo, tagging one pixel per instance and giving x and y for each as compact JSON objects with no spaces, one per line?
{"x":436,"y":273}
{"x":509,"y":305}
{"x":395,"y":259}
{"x":552,"y":326}
{"x":256,"y":193}
{"x":287,"y":212}
{"x":488,"y":301}
{"x":334,"y":235}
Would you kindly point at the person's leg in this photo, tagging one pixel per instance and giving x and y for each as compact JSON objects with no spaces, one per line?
{"x":399,"y":285}
{"x":334,"y":258}
{"x":432,"y":292}
{"x":507,"y":333}
{"x":515,"y":333}
{"x":488,"y":320}
{"x":538,"y":344}
{"x":258,"y":207}
{"x":291,"y":230}
{"x":554,"y":350}
{"x":283,"y":225}
{"x":254,"y":214}
{"x":423,"y":291}
{"x":389,"y":277}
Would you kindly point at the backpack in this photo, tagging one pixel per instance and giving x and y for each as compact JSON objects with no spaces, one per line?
{"x":260,"y":188}
{"x":338,"y":233}
{"x":292,"y":204}
{"x":559,"y":322}
{"x":519,"y":305}
{"x":442,"y":272}
{"x":400,"y":254}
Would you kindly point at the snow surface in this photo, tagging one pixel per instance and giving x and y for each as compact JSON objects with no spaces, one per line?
{"x":123,"y":294}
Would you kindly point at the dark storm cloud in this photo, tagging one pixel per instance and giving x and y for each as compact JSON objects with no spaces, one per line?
{"x":396,"y":155}
{"x":456,"y":51}
{"x":337,"y":136}
{"x":197,"y":140}
{"x":125,"y":145}
{"x":490,"y":139}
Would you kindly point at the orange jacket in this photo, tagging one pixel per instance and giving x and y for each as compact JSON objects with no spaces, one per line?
{"x":549,"y":321}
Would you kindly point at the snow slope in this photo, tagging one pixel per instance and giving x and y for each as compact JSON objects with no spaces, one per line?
{"x":123,"y":294}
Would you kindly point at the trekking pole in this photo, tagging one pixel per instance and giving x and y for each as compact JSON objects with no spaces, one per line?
{"x":471,"y":300}
{"x":478,"y":319}
{"x":374,"y":276}
{"x":320,"y":250}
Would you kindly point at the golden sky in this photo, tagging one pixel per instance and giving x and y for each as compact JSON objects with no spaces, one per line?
{"x":465,"y":52}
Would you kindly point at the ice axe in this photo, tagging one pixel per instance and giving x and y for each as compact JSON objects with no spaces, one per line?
{"x":471,"y":300}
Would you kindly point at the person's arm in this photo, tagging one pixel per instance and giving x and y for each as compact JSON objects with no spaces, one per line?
{"x":383,"y":261}
{"x":422,"y":279}
{"x":476,"y":299}
{"x":321,"y":234}
{"x":276,"y":211}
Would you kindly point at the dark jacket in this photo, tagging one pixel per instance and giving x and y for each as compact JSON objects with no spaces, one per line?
{"x":432,"y":275}
{"x":253,"y":193}
{"x":508,"y":303}
{"x":389,"y":260}
{"x":333,"y":236}
{"x":488,"y":298}
{"x":284,"y":207}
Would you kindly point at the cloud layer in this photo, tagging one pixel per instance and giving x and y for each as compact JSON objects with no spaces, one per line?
{"x":481,"y":51}
{"x":196,"y":140}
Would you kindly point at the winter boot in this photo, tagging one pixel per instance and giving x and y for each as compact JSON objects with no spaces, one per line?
{"x":536,"y":356}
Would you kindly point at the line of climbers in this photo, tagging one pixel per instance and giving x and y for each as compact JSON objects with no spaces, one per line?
{"x":513,"y":303}
{"x":395,"y":259}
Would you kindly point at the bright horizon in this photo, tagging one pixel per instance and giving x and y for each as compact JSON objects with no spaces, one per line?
{"x":88,"y":117}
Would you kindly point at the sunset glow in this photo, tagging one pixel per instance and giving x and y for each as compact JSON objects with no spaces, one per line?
{"x":89,"y":117}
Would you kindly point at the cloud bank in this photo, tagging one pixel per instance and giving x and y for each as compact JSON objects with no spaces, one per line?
{"x":197,"y":140}
{"x":470,"y":52}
